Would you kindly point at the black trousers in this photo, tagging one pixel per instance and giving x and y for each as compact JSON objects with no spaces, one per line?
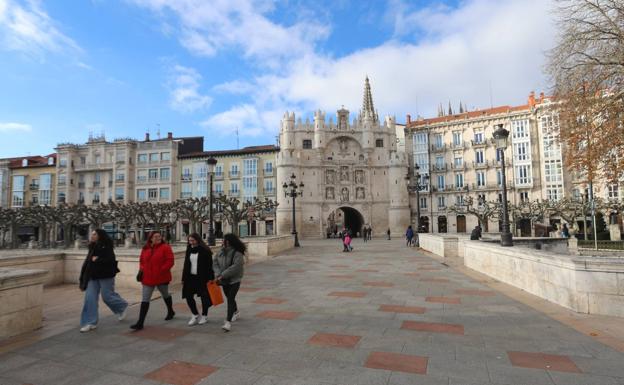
{"x":230,"y":292}
{"x":205,"y":300}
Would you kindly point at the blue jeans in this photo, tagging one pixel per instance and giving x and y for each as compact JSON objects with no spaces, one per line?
{"x":109,"y":296}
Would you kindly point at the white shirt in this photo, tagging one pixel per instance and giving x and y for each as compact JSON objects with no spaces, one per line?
{"x":193,"y":259}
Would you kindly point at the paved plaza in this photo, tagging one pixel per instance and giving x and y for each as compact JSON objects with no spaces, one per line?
{"x":383,"y":314}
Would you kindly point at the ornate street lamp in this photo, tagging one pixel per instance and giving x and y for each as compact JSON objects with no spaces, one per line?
{"x":210,"y":167}
{"x":500,"y":139}
{"x":292,"y":190}
{"x":417,"y":184}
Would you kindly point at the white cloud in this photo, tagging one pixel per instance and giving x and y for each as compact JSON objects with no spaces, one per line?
{"x":245,"y":118}
{"x":184,"y":84}
{"x":6,"y":127}
{"x":28,"y":29}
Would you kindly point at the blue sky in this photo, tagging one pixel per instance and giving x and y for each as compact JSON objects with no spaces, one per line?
{"x":204,"y":67}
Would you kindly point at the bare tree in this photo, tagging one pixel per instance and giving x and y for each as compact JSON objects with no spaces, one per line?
{"x":195,"y":210}
{"x":482,"y":210}
{"x":235,"y":212}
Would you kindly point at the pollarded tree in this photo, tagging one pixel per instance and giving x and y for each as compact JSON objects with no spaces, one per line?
{"x":195,"y":210}
{"x":235,"y":212}
{"x":97,"y":215}
{"x":67,"y":217}
{"x":41,"y":217}
{"x":482,"y":210}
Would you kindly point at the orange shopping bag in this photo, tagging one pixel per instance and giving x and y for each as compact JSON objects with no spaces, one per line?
{"x":214,"y":291}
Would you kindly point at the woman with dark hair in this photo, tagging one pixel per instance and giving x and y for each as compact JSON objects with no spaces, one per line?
{"x":98,"y":275}
{"x":196,"y":273}
{"x":155,"y":266}
{"x":228,"y":266}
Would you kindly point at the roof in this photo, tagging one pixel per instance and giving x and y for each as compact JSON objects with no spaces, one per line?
{"x":243,"y":151}
{"x":33,"y":161}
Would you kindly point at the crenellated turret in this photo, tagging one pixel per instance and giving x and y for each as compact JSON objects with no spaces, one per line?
{"x":319,"y":129}
{"x":287,"y":139}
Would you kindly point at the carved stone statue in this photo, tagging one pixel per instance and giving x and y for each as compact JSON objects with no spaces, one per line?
{"x":359,"y":193}
{"x":344,"y":174}
{"x":344,"y":194}
{"x":329,"y":193}
{"x":359,"y":177}
{"x":344,"y":144}
{"x":330,"y":177}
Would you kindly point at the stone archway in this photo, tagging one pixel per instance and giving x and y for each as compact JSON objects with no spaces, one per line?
{"x":346,"y":217}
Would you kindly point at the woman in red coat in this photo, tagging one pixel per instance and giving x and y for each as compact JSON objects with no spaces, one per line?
{"x":155,"y":266}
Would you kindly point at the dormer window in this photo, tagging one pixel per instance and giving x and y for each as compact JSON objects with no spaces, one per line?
{"x":50,"y":161}
{"x":24,"y":162}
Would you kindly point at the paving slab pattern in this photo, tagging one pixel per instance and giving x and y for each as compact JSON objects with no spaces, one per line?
{"x":382,"y":314}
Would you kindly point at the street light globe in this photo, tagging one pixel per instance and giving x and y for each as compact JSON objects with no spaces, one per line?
{"x":500,"y":137}
{"x":210,"y":164}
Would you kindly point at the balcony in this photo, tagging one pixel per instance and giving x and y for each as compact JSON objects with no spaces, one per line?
{"x":120,"y":180}
{"x":141,"y":179}
{"x":479,"y":143}
{"x":269,"y":192}
{"x":234,"y":174}
{"x":268,"y":173}
{"x":96,"y":184}
{"x":439,"y":167}
{"x":186,"y":195}
{"x":119,"y":199}
{"x":478,"y":165}
{"x":62,"y":183}
{"x":120,"y":161}
{"x":61,"y":199}
{"x":458,"y":167}
{"x":81,"y":184}
{"x":34,"y":186}
{"x":234,"y":193}
{"x":438,"y":148}
{"x":457,"y":146}
{"x":187,"y":177}
{"x":218,"y":175}
{"x":94,"y":166}
{"x":80,"y":201}
{"x":95,"y":202}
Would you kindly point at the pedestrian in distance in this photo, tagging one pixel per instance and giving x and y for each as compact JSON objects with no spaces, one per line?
{"x":409,"y":235}
{"x":565,"y":232}
{"x":155,"y":265}
{"x":196,"y":274}
{"x":370,"y":233}
{"x":388,"y":232}
{"x":98,"y":276}
{"x":475,"y":235}
{"x":347,"y":243}
{"x":228,"y":268}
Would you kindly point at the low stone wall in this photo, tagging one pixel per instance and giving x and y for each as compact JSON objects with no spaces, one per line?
{"x":263,"y":247}
{"x":21,"y":296}
{"x":51,"y":262}
{"x":443,"y":245}
{"x":555,"y":245}
{"x":592,"y":285}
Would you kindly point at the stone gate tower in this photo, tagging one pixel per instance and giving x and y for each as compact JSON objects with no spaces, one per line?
{"x":352,"y":171}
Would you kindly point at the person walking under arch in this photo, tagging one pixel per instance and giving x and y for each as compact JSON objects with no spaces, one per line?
{"x":155,"y":265}
{"x":409,"y":235}
{"x":228,"y":268}
{"x":196,"y":274}
{"x":98,"y":276}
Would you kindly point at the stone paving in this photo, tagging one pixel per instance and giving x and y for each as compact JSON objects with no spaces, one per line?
{"x":382,"y":314}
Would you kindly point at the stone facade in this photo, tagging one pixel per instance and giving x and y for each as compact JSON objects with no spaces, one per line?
{"x":352,"y":172}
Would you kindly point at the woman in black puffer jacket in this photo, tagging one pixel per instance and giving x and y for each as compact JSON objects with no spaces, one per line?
{"x":196,"y":274}
{"x":98,"y":274}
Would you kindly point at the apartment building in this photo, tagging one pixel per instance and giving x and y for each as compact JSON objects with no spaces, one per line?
{"x":124,"y":170}
{"x":458,"y":156}
{"x":32,"y":181}
{"x":245,"y":173}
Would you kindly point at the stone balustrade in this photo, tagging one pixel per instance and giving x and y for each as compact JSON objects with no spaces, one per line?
{"x":21,"y":296}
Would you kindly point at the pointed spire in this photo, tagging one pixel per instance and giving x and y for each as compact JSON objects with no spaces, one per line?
{"x":368,"y":109}
{"x":450,"y":109}
{"x":461,"y":107}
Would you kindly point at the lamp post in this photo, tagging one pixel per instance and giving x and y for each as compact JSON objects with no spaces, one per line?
{"x":210,"y":167}
{"x":292,"y":190}
{"x":417,"y":184}
{"x":500,"y":139}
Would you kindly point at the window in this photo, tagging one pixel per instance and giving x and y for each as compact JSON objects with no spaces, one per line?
{"x":498,"y":155}
{"x":458,"y":161}
{"x":524,"y":196}
{"x":152,"y":193}
{"x":520,"y":128}
{"x":554,"y":193}
{"x":218,"y":188}
{"x":613,"y":192}
{"x":142,"y":158}
{"x":439,"y":162}
{"x":499,"y":178}
{"x":83,"y":160}
{"x":268,"y":187}
{"x":45,"y":189}
{"x":164,"y":193}
{"x":50,"y":161}
{"x":200,"y":171}
{"x":438,"y":141}
{"x":152,"y":174}
{"x":441,"y":202}
{"x":459,"y":180}
{"x":379,"y":143}
{"x":523,"y":174}
{"x":186,"y":190}
{"x":441,"y":183}
{"x":19,"y":182}
{"x":165,"y":156}
{"x":420,"y":142}
{"x":250,"y":167}
{"x":268,"y":168}
{"x":96,"y":198}
{"x":141,"y":175}
{"x":307,"y":144}
{"x":154,"y":157}
{"x":457,"y":138}
{"x":98,"y":159}
{"x":576,"y":195}
{"x":62,"y":179}
{"x":479,"y":157}
{"x":119,"y":193}
{"x":480,"y":178}
{"x":234,"y":170}
{"x":63,"y":162}
{"x":478,"y":137}
{"x":120,"y":156}
{"x":164,"y":174}
{"x":233,"y":188}
{"x":97,"y":179}
{"x":521,"y":151}
{"x":61,"y":197}
{"x":423,"y":203}
{"x":141,"y":195}
{"x":480,"y":199}
{"x":219,"y":171}
{"x":120,"y":176}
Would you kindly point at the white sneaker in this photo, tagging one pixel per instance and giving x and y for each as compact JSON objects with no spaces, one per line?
{"x":193,"y":320}
{"x":203,"y":319}
{"x":87,"y":328}
{"x":236,"y":316}
{"x":227,"y":326}
{"x":122,"y":316}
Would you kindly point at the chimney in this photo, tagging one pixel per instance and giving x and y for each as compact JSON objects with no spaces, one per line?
{"x":147,"y":137}
{"x":541,"y":97}
{"x":409,"y":119}
{"x":532,"y":99}
{"x":170,"y":135}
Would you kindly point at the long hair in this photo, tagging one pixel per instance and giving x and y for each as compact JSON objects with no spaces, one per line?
{"x":104,"y":240}
{"x":234,"y":242}
{"x":148,"y":244}
{"x":200,"y":241}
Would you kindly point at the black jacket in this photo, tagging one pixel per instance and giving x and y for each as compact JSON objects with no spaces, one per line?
{"x":204,"y":264}
{"x":105,"y":266}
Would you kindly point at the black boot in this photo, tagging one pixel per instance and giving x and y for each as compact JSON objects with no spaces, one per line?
{"x":142,"y":314}
{"x":170,"y":312}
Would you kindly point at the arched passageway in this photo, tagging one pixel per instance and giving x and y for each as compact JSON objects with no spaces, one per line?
{"x":346,"y":218}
